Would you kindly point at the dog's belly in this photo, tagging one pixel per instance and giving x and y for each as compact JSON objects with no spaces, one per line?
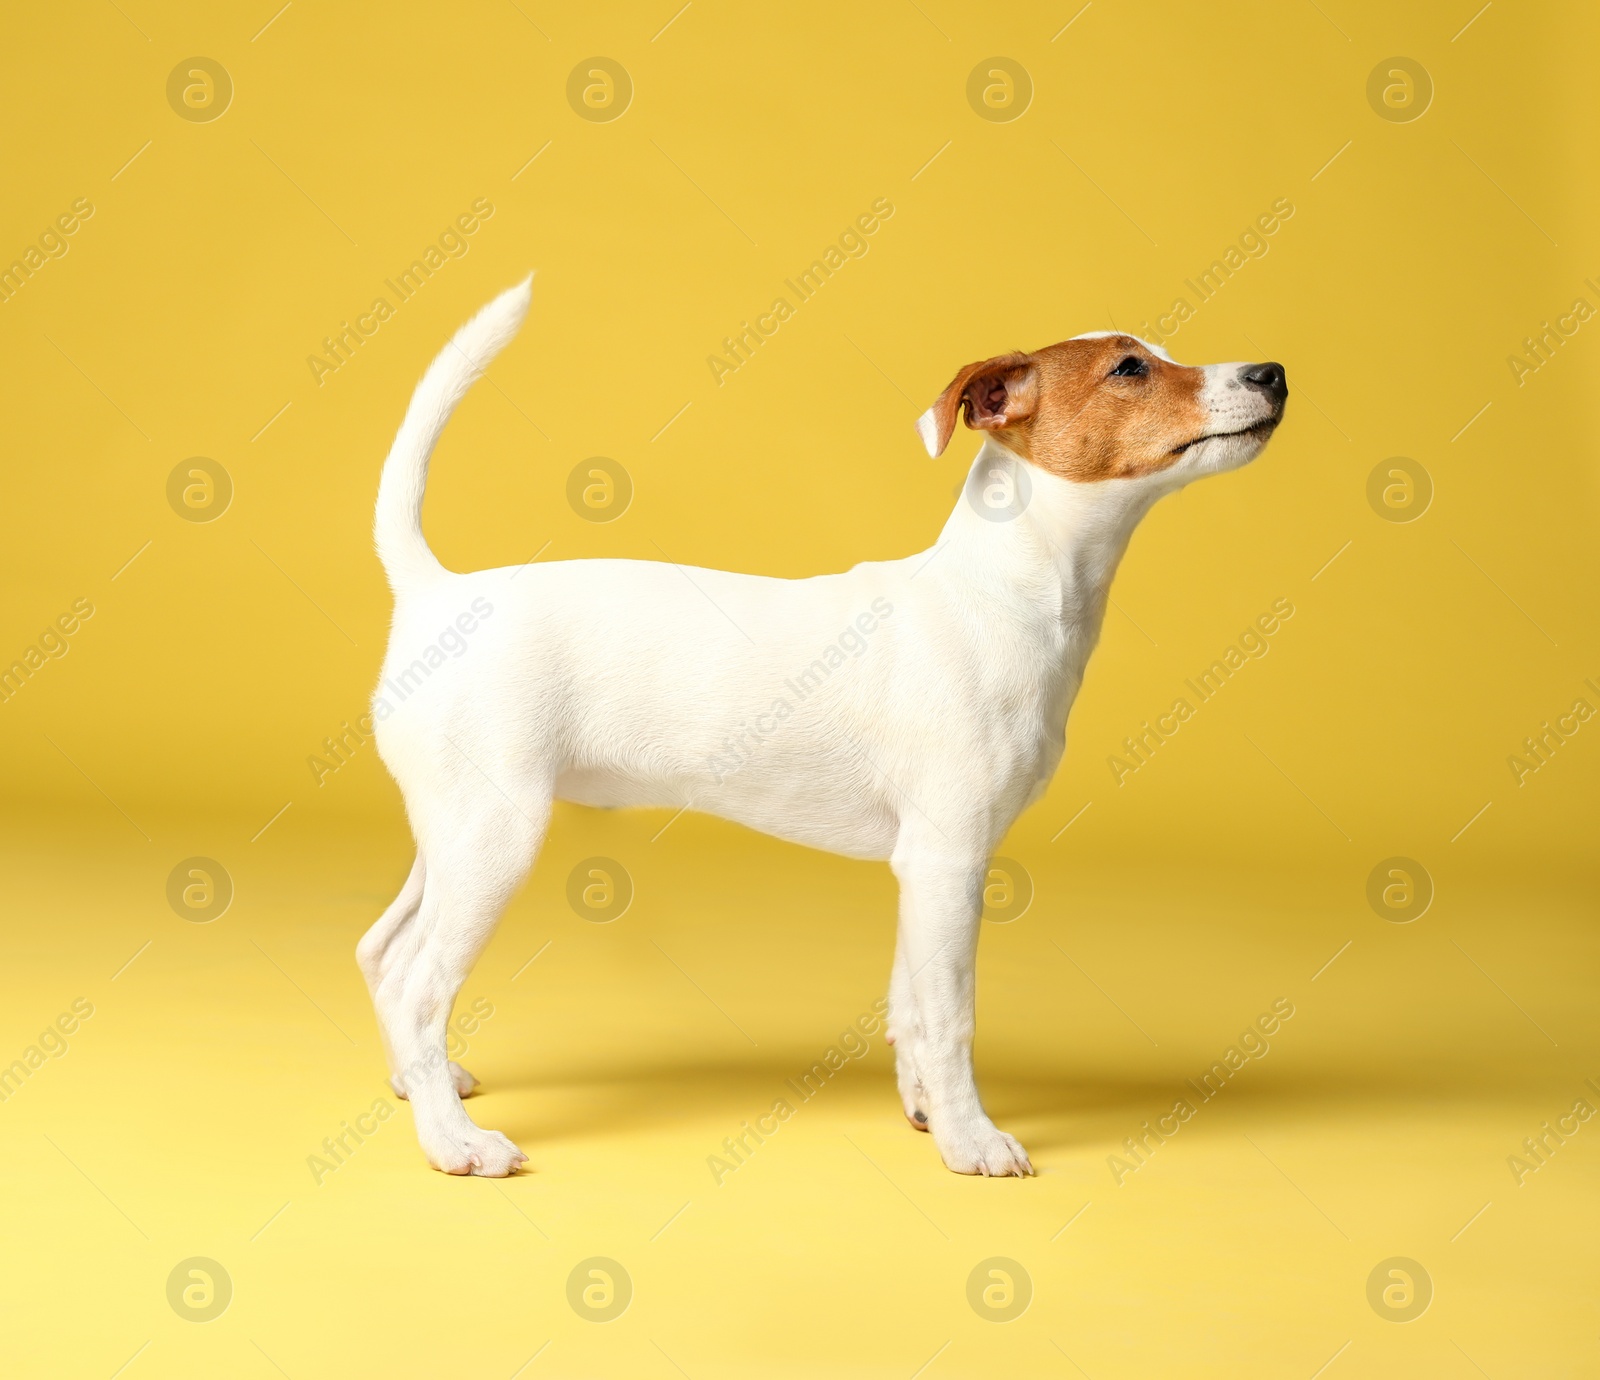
{"x":817,"y":813}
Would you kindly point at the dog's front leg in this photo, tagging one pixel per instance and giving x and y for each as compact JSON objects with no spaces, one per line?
{"x":940,"y":908}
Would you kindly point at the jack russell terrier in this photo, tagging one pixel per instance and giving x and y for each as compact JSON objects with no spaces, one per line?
{"x":620,"y":682}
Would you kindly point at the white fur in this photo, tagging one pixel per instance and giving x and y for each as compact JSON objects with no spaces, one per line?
{"x":619,"y":682}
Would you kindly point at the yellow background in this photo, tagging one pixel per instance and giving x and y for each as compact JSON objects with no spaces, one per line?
{"x":1177,"y":906}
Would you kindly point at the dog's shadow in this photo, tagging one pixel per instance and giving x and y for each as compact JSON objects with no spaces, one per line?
{"x":666,"y":1098}
{"x":1048,"y":1111}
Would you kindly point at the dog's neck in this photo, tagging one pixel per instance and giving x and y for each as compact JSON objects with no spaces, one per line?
{"x":1056,"y":545}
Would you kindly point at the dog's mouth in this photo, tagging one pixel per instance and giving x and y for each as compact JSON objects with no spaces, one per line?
{"x":1260,"y":431}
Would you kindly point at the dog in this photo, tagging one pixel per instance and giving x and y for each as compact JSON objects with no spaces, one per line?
{"x":904,"y":710}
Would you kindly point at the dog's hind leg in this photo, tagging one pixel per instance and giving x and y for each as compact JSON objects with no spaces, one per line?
{"x":380,"y":949}
{"x":902,"y":1025}
{"x":940,"y":910}
{"x":381,"y":945}
{"x":477,"y":854}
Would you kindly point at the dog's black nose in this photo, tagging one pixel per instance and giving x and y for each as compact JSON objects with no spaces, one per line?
{"x":1269,"y":378}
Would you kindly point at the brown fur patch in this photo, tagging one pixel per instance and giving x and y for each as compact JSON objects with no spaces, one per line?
{"x":1062,"y":408}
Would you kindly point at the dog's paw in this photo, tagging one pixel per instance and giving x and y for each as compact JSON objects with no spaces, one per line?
{"x":486,"y":1154}
{"x":462,"y":1081}
{"x":983,"y":1148}
{"x":915,"y":1102}
{"x":913,"y":1097}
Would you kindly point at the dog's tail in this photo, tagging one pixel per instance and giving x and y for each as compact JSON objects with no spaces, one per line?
{"x":397,"y":526}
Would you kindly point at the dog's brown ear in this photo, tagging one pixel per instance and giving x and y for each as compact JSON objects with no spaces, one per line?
{"x":996,"y":393}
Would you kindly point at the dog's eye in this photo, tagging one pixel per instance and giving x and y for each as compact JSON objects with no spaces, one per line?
{"x":1131,"y":368}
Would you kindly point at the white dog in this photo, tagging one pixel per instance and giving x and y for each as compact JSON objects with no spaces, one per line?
{"x":905,"y":710}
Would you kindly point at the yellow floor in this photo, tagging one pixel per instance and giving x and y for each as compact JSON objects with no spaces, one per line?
{"x":182,"y":1119}
{"x":247,"y":184}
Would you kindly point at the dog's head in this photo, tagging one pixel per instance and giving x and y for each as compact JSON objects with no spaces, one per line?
{"x":1111,"y":406}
